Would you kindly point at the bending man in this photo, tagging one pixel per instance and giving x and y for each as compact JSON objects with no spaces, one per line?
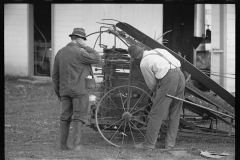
{"x":162,"y":74}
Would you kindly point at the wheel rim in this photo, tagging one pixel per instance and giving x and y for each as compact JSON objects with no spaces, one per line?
{"x":121,"y":115}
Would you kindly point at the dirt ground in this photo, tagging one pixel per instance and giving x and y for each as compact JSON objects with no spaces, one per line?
{"x":32,"y":131}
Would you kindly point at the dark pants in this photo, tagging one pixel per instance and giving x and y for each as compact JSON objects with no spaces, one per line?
{"x":173,"y":84}
{"x":75,"y":108}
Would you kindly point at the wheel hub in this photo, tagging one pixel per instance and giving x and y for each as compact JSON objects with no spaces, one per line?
{"x":127,"y":116}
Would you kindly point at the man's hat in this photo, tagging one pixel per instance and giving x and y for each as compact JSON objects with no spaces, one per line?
{"x":80,"y":32}
{"x":134,"y":51}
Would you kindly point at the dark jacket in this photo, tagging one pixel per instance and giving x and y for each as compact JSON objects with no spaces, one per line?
{"x":71,"y":66}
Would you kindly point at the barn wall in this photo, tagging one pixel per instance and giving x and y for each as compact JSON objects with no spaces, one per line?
{"x":217,"y":50}
{"x":146,"y":17}
{"x":230,"y":46}
{"x":223,"y":45}
{"x":16,"y":39}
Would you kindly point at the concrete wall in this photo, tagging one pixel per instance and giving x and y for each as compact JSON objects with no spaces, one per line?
{"x":16,"y":39}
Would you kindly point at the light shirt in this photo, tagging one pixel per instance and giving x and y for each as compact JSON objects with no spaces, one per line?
{"x":155,"y":66}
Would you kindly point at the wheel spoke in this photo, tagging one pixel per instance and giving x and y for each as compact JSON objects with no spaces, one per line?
{"x":125,"y":101}
{"x":136,"y":128}
{"x":113,"y":102}
{"x":116,"y":132}
{"x":141,"y":108}
{"x":129,"y":98}
{"x":139,"y":121}
{"x":112,"y":124}
{"x":137,"y":102}
{"x":124,"y":132}
{"x":121,"y":99}
{"x":131,"y":133}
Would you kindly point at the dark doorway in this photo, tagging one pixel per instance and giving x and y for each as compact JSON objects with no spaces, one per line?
{"x":180,"y":19}
{"x":42,"y":39}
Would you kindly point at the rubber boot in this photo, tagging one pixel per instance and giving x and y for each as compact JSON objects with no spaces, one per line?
{"x":64,"y":131}
{"x":77,"y":134}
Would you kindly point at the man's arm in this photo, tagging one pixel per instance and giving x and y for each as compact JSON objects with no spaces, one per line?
{"x":93,"y":57}
{"x":149,"y":78}
{"x":55,"y":76}
{"x":89,"y":56}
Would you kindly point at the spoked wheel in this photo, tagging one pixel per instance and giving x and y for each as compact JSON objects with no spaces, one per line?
{"x":121,"y":115}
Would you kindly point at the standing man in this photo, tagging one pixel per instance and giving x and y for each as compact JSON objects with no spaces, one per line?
{"x":72,"y":64}
{"x":161,"y":72}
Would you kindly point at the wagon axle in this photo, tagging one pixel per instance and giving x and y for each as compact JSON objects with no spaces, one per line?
{"x":127,"y":116}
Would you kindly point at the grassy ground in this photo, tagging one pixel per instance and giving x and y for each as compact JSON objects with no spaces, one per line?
{"x":32,"y":131}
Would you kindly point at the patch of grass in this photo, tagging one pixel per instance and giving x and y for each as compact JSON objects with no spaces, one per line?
{"x":32,"y":132}
{"x":14,"y":78}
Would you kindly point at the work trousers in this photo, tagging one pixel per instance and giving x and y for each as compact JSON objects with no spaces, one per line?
{"x":75,"y":108}
{"x":173,"y":83}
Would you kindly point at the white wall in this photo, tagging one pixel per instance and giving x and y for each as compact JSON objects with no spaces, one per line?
{"x":230,"y":46}
{"x":217,"y":49}
{"x":16,"y":39}
{"x":148,"y":18}
{"x":145,"y":17}
{"x":223,"y":45}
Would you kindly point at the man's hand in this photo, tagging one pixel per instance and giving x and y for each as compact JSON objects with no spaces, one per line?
{"x":57,"y":93}
{"x":81,"y":43}
{"x":59,"y":97}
